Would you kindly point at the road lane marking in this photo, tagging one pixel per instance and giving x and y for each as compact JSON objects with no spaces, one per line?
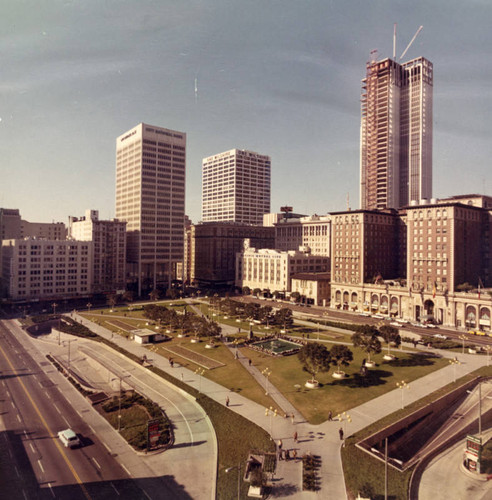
{"x":51,"y":489}
{"x":93,"y":431}
{"x":46,"y":426}
{"x":56,"y":408}
{"x":95,"y":461}
{"x":107,"y":447}
{"x":41,"y":466}
{"x":32,"y":447}
{"x":16,"y":471}
{"x":19,"y":419}
{"x":114,"y":488}
{"x":66,"y":421}
{"x":146,"y":494}
{"x":25,"y":496}
{"x":126,"y":470}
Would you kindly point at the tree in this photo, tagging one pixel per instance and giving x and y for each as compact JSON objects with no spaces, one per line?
{"x":340,"y":355}
{"x":366,"y":337}
{"x":257,"y":292}
{"x":154,"y":294}
{"x":246,"y":290}
{"x":283,"y":318}
{"x":296,"y":296}
{"x":128,"y":296}
{"x":113,"y":300}
{"x":390,"y":335}
{"x":315,"y":358}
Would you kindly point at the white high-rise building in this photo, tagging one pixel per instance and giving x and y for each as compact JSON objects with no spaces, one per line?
{"x":236,"y":187}
{"x":150,"y":197}
{"x":396,"y":134}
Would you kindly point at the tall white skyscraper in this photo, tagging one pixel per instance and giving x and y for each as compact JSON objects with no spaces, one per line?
{"x":236,"y":187}
{"x":150,"y":197}
{"x":396,"y":133}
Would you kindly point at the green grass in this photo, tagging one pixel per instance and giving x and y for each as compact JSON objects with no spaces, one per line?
{"x":365,"y":474}
{"x":341,"y":395}
{"x":236,"y":437}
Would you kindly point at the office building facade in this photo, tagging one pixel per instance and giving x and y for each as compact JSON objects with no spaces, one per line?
{"x":150,"y":198}
{"x":396,"y":134}
{"x":236,"y":187}
{"x":109,"y":249}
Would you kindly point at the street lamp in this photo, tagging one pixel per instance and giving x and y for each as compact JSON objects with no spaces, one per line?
{"x":200,"y":372}
{"x":344,"y":417}
{"x":89,"y":305}
{"x":454,"y":362}
{"x":120,"y":377}
{"x":463,"y":338}
{"x":271,"y":413}
{"x":238,"y":468}
{"x":54,"y":306}
{"x":267,"y":372}
{"x":69,"y":342}
{"x":402,"y":385}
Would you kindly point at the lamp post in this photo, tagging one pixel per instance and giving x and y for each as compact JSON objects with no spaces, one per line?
{"x":69,"y":342}
{"x":463,"y":338}
{"x":454,"y":362}
{"x":267,"y":372}
{"x":344,"y":417}
{"x":271,"y":413}
{"x":54,"y":306}
{"x":200,"y":372}
{"x":238,"y":468}
{"x":89,"y":305}
{"x":318,"y":330}
{"x":402,"y":385}
{"x":120,"y":378}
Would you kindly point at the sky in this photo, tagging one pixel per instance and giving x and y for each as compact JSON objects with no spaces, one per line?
{"x":279,"y":77}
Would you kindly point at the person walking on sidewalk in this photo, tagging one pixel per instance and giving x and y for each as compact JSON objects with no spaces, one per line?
{"x":295,"y":437}
{"x":340,"y":432}
{"x":227,"y":401}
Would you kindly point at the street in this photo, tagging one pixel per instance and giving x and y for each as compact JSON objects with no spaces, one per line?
{"x":35,"y":463}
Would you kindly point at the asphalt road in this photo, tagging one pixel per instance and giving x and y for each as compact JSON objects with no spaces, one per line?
{"x":34,"y":462}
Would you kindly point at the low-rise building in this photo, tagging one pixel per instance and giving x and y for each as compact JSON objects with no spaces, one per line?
{"x":313,"y":288}
{"x":272,"y":270}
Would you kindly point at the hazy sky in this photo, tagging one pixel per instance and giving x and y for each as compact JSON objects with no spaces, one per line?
{"x":280,"y":77}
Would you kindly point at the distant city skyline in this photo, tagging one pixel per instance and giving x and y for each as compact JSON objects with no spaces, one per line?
{"x":279,"y":77}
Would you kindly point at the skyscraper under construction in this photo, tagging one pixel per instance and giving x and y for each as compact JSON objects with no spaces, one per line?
{"x":396,"y":133}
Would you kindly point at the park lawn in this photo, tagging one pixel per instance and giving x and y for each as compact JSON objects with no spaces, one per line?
{"x":341,"y":395}
{"x":232,"y":375}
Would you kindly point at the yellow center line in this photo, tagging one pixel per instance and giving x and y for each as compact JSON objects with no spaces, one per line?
{"x":45,"y":424}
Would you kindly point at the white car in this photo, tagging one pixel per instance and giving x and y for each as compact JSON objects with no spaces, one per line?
{"x":69,"y":438}
{"x":440,"y":336}
{"x":395,"y":323}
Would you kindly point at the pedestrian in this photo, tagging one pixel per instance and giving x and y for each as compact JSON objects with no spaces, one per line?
{"x":287,"y":455}
{"x":279,"y":444}
{"x":340,"y":431}
{"x":294,"y":454}
{"x":250,"y":362}
{"x":172,"y":363}
{"x":182,"y":376}
{"x":227,"y":401}
{"x":292,"y":417}
{"x":330,"y":416}
{"x":295,"y":437}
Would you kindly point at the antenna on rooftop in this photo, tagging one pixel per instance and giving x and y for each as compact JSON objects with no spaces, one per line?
{"x":394,"y":41}
{"x":411,"y":41}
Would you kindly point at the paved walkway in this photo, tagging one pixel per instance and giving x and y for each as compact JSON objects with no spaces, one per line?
{"x":323,"y":439}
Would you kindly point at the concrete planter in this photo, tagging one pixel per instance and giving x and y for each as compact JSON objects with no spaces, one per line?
{"x":370,"y":364}
{"x":312,"y":384}
{"x":181,"y":335}
{"x":255,"y":492}
{"x":339,"y":375}
{"x":389,"y":357}
{"x":195,"y":341}
{"x":210,"y":346}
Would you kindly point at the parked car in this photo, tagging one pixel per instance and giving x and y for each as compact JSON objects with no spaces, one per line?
{"x":69,"y":438}
{"x":477,"y":332}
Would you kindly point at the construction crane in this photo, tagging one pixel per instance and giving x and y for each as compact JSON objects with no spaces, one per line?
{"x":411,"y":41}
